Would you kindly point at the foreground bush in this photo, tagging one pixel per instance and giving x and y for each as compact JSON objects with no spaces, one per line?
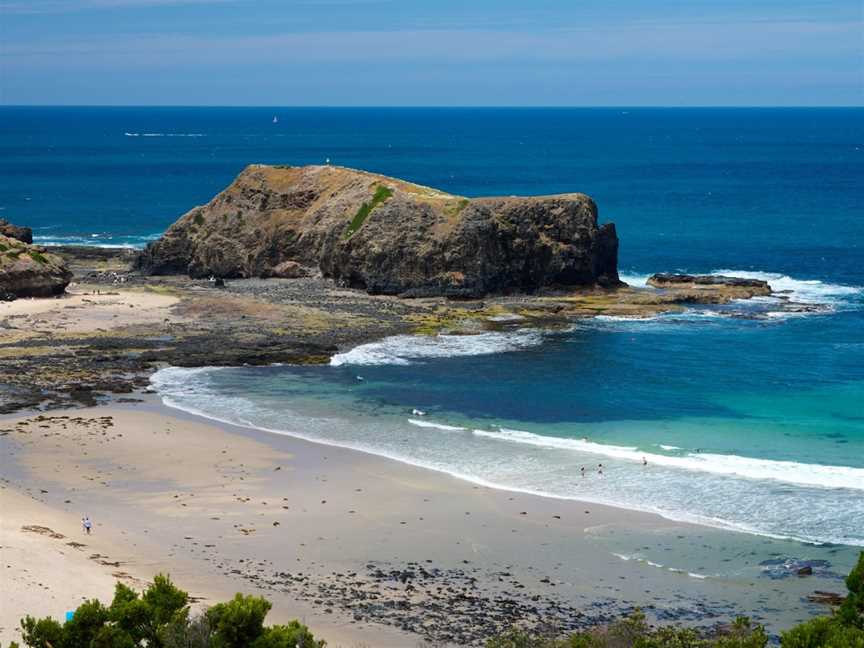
{"x":159,"y":618}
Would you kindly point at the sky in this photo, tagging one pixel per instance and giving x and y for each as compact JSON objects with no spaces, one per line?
{"x":432,"y":52}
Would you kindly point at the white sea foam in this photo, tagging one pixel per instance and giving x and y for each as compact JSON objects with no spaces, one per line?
{"x":790,"y":472}
{"x":657,"y":565}
{"x":405,"y":349}
{"x":622,"y":318}
{"x":165,"y":134}
{"x":669,"y":447}
{"x":506,"y":317}
{"x":437,"y":426}
{"x":817,"y":297}
{"x":802,"y":291}
{"x":96,"y":240}
{"x":635,"y":280}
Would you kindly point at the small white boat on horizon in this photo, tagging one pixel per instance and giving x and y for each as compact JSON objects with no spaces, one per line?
{"x":275,"y":119}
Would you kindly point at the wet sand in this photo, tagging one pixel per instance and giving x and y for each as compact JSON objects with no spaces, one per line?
{"x":363,"y":549}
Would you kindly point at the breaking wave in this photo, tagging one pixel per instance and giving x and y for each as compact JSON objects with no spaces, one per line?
{"x":407,"y":349}
{"x":789,"y":472}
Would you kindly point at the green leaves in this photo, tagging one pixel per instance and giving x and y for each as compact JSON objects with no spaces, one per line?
{"x":237,"y":623}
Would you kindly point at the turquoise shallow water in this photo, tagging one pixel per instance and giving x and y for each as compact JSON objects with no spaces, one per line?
{"x":750,"y":416}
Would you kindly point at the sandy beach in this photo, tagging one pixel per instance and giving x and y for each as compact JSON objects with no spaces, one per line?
{"x":365,"y":550}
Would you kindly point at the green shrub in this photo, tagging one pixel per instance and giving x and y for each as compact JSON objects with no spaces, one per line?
{"x":41,"y":633}
{"x":38,"y":258}
{"x":159,"y":618}
{"x":239,"y":622}
{"x":381,"y":195}
{"x":843,"y":629}
{"x":293,"y":635}
{"x":85,"y":624}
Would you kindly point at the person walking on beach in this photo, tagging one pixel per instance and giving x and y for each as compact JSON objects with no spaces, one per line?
{"x":87,"y":524}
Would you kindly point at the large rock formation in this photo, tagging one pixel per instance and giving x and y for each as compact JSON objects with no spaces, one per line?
{"x":23,"y":234}
{"x":387,"y":235}
{"x":30,"y":271}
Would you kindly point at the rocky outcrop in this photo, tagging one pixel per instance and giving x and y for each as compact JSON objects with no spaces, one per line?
{"x":30,"y":271}
{"x":23,"y":234}
{"x":387,"y":236}
{"x":703,"y":285}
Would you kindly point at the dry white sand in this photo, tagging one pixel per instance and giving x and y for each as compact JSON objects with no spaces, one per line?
{"x":84,"y":309}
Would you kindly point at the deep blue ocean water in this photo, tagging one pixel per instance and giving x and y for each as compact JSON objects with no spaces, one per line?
{"x":750,"y":417}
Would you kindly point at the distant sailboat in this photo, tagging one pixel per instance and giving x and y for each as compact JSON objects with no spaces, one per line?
{"x":275,"y":119}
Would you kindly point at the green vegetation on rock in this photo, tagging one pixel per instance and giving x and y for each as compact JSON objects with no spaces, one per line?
{"x":382,"y":193}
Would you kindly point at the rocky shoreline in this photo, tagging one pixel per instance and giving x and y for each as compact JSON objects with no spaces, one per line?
{"x":117,"y":326}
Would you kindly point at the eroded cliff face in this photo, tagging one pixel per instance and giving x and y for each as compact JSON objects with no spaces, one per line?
{"x":387,"y":235}
{"x":30,"y":271}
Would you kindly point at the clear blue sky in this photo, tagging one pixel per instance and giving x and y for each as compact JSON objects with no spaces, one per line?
{"x":432,"y":52}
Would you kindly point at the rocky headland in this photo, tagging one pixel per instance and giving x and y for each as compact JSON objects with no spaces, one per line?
{"x":387,"y":236}
{"x":27,"y":270}
{"x":18,"y":232}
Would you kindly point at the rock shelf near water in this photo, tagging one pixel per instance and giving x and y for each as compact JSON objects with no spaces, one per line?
{"x":735,"y":287}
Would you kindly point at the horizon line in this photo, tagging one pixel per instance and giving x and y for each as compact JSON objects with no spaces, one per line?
{"x":449,"y":107}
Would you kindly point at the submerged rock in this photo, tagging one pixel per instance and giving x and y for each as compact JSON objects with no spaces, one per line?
{"x":30,"y":271}
{"x":387,"y":236}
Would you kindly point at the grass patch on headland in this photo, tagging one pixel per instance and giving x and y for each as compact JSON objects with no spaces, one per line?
{"x":381,"y":195}
{"x":453,"y":209}
{"x":38,"y":258}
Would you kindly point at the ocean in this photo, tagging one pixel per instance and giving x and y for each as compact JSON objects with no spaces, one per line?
{"x":750,"y":417}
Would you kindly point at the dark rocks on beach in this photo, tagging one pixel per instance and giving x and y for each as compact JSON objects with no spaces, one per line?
{"x":462,"y":606}
{"x":780,"y":568}
{"x":826,"y":598}
{"x":387,"y":236}
{"x":30,"y":271}
{"x":17,"y":232}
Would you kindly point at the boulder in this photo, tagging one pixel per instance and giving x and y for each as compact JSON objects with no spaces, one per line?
{"x":30,"y":271}
{"x":289,"y":270}
{"x":23,"y":234}
{"x":387,"y":236}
